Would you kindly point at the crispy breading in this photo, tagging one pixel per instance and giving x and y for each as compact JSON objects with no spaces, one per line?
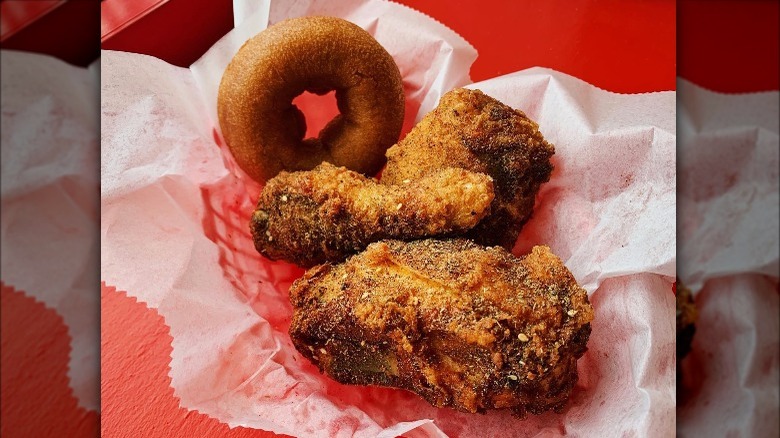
{"x":473,"y":131}
{"x":461,"y":325}
{"x":330,"y":212}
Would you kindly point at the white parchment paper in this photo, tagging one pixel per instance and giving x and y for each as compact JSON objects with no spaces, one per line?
{"x":175,"y":235}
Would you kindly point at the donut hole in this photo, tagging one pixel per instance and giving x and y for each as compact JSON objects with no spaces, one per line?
{"x":318,"y":111}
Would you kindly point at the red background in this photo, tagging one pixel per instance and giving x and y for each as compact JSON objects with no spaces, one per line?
{"x":729,"y":46}
{"x":622,"y":46}
{"x":64,"y":29}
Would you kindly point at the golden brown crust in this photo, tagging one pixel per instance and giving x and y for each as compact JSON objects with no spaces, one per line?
{"x":265,"y":131}
{"x":330,"y":212}
{"x":473,"y":131}
{"x":463,"y":326}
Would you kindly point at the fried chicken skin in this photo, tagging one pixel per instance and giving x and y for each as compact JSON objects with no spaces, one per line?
{"x":473,"y":131}
{"x":330,"y":212}
{"x":461,"y":325}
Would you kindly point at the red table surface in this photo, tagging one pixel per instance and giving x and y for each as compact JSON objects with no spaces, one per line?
{"x":626,"y":46}
{"x":63,"y":29}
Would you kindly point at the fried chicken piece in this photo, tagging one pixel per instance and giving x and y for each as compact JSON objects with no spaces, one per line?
{"x":330,"y":212}
{"x":473,"y":131}
{"x":461,"y":325}
{"x":686,"y":320}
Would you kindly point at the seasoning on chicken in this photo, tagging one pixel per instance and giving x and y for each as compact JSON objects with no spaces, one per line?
{"x":330,"y":212}
{"x":473,"y":131}
{"x":461,"y":325}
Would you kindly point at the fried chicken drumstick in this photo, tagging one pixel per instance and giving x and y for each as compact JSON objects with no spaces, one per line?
{"x":330,"y":212}
{"x":473,"y":131}
{"x":461,"y":325}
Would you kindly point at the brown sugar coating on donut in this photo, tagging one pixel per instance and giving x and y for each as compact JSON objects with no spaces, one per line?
{"x":265,"y":131}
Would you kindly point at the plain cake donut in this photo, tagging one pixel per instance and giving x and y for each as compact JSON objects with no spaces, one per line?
{"x":265,"y":131}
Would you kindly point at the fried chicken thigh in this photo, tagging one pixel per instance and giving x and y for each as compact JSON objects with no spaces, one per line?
{"x":330,"y":212}
{"x":473,"y":131}
{"x":461,"y":325}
